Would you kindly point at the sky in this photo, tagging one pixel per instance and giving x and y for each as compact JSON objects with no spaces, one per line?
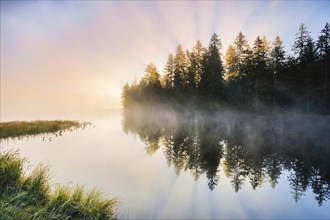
{"x":59,"y":55}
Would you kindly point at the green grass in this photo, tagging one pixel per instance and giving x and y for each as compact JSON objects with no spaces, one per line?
{"x":22,"y":128}
{"x":31,"y":197}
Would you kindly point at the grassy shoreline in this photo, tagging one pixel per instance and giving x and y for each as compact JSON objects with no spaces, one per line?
{"x":31,"y":196}
{"x":22,"y":128}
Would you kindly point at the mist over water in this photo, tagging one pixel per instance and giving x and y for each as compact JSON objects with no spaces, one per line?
{"x":251,"y":149}
{"x":163,"y":162}
{"x":248,"y":127}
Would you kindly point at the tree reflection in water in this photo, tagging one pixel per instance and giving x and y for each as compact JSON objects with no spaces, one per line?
{"x":248,"y":147}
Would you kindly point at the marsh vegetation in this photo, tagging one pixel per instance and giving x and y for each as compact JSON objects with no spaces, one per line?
{"x":23,"y":128}
{"x":31,"y":196}
{"x":260,"y":118}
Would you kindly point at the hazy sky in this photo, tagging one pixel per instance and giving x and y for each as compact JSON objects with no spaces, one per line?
{"x":79,"y":54}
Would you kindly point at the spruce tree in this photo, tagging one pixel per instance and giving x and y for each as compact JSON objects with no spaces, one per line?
{"x":169,"y":72}
{"x":196,"y":58}
{"x":212,"y":81}
{"x":231,"y":63}
{"x":277,"y":62}
{"x":300,"y":44}
{"x":305,"y":55}
{"x":323,"y":48}
{"x":180,"y":68}
{"x":258,"y":77}
{"x":241,"y":47}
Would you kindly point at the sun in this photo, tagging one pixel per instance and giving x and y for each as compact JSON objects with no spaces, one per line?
{"x":112,"y":96}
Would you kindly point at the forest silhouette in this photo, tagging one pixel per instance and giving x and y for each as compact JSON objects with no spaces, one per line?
{"x":209,"y":112}
{"x":261,"y":77}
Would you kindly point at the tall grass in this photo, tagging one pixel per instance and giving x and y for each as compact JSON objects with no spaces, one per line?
{"x":30,"y":197}
{"x":21,"y":128}
{"x":11,"y":169}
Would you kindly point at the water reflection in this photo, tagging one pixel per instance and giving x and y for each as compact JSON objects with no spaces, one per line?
{"x":250,"y":149}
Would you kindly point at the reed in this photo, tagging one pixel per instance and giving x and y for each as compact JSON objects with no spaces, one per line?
{"x":31,"y":197}
{"x":22,"y":128}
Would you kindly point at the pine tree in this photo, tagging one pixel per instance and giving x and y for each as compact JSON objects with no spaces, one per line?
{"x":180,"y":68}
{"x":238,"y":88}
{"x":169,"y":72}
{"x":231,"y":63}
{"x":265,"y":43}
{"x":191,"y":85}
{"x":259,"y":53}
{"x":301,"y":42}
{"x":277,"y":55}
{"x":277,"y":61}
{"x":212,"y":81}
{"x":152,"y":77}
{"x":323,"y":43}
{"x":258,"y":77}
{"x":233,"y":86}
{"x":241,"y":48}
{"x":323,"y":48}
{"x":125,"y":96}
{"x":196,"y":58}
{"x":305,"y":55}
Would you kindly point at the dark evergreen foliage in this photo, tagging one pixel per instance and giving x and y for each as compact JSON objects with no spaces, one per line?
{"x":258,"y":78}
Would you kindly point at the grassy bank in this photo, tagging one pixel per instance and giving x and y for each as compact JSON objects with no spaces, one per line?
{"x":22,"y":128}
{"x":31,"y":197}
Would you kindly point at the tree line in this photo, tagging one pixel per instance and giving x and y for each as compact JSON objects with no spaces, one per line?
{"x":255,"y":77}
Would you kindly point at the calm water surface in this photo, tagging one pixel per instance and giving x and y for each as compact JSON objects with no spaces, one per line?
{"x":219,"y":166}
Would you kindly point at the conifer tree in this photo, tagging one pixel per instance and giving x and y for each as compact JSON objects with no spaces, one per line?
{"x":258,"y":77}
{"x":323,"y":43}
{"x":242,"y":56}
{"x":152,"y":77}
{"x":300,"y":44}
{"x":125,"y":96}
{"x":169,"y":72}
{"x":180,"y":68}
{"x":323,"y":48}
{"x":212,"y":81}
{"x":241,"y":47}
{"x":196,"y":58}
{"x":277,"y":55}
{"x":277,"y":61}
{"x":231,"y":63}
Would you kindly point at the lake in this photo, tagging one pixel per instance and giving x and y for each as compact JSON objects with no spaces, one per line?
{"x":193,"y":165}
